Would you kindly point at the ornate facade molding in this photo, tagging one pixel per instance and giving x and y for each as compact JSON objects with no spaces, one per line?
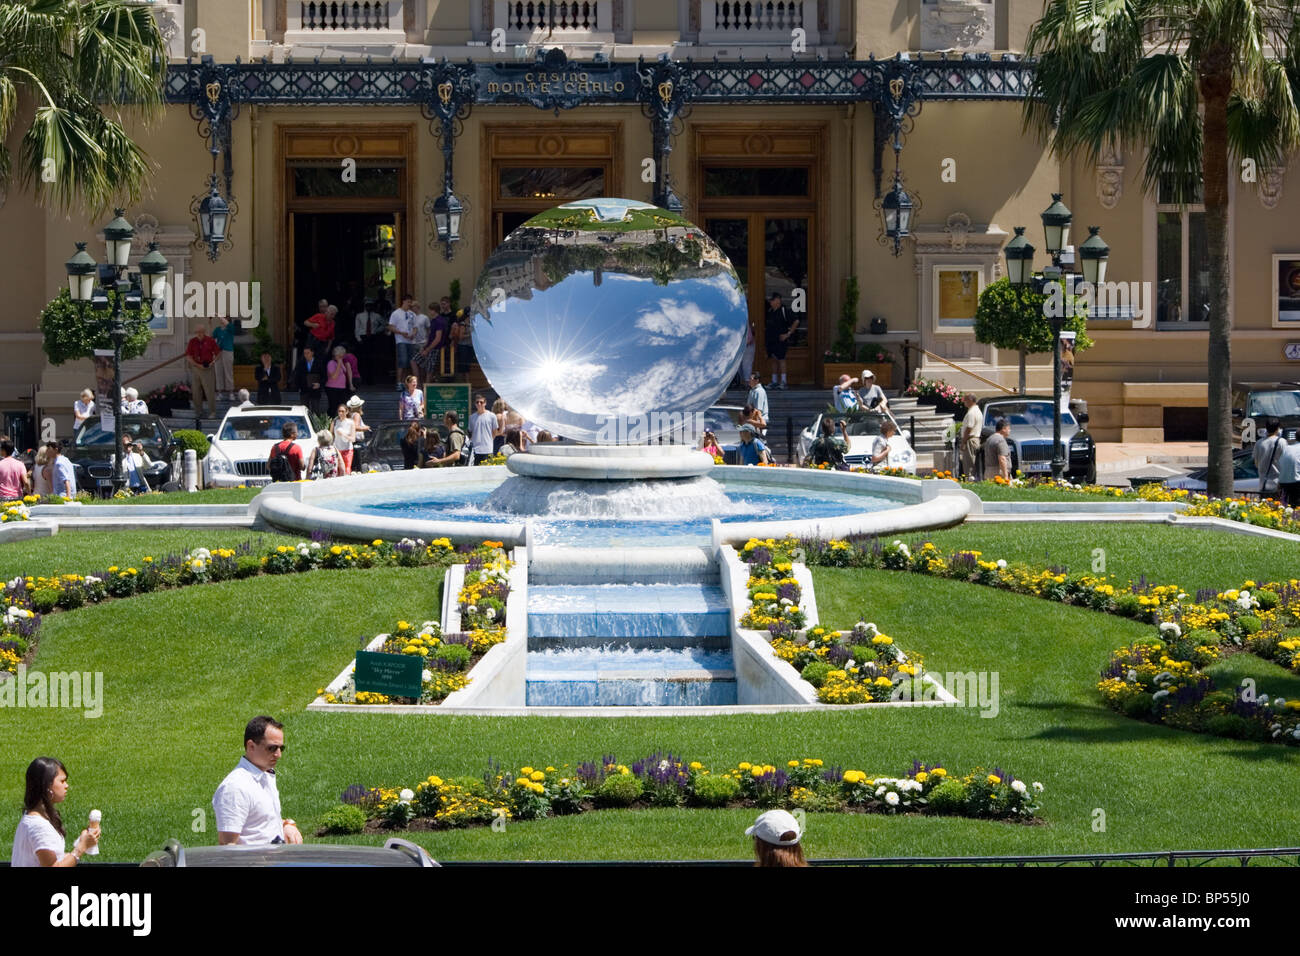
{"x":1110,"y":176}
{"x":1270,"y":186}
{"x":956,"y":24}
{"x":959,"y":235}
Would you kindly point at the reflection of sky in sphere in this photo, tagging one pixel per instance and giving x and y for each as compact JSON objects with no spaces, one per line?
{"x":601,"y":327}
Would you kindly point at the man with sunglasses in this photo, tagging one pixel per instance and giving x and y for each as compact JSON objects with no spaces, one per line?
{"x":247,"y":803}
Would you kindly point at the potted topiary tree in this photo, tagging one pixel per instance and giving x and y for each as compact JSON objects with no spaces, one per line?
{"x":1011,"y":317}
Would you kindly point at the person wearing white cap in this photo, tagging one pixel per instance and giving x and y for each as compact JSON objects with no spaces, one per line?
{"x":776,"y":836}
{"x":873,"y":396}
{"x":359,"y":427}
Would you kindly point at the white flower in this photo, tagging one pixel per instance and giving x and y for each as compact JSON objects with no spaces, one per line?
{"x":1002,"y":563}
{"x":472,"y":609}
{"x":1263,"y":699}
{"x":850,"y":664}
{"x":1279,"y":702}
{"x":201,"y":553}
{"x":16,"y":582}
{"x":1170,"y":629}
{"x":1160,"y":693}
{"x":491,"y":613}
{"x":1182,"y":596}
{"x":891,"y":798}
{"x":1296,"y":732}
{"x":1018,"y":786}
{"x":1132,"y":675}
{"x":315,"y":545}
{"x":786,"y":601}
{"x":663,"y":765}
{"x":812,"y":643}
{"x":428,"y":625}
{"x":879,"y":791}
{"x":407,"y":795}
{"x":426,"y":675}
{"x":1245,"y":601}
{"x":1038,"y":787}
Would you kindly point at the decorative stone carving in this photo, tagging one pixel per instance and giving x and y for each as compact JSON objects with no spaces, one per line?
{"x":957,"y":25}
{"x":1270,"y":186}
{"x":146,"y":228}
{"x":957,"y":228}
{"x":1110,"y":175}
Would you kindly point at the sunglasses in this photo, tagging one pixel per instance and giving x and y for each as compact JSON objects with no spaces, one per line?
{"x":274,"y":747}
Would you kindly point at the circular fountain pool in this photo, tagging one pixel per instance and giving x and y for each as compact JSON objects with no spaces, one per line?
{"x":732,"y":504}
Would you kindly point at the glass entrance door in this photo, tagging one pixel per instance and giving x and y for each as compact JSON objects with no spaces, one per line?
{"x":772,"y":254}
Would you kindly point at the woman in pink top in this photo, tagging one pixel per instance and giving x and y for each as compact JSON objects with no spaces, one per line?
{"x":338,"y":378}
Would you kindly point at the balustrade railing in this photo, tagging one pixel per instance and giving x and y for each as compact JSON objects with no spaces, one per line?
{"x":525,"y":19}
{"x":756,"y":21}
{"x":323,"y":17}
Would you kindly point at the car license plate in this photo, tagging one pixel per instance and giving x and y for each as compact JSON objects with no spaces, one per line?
{"x":104,"y":482}
{"x":1034,"y":466}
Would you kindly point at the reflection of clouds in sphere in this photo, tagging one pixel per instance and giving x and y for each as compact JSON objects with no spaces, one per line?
{"x":639,"y":315}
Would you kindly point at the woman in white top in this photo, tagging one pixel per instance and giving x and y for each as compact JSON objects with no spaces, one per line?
{"x":83,"y":407}
{"x":41,"y":474}
{"x":39,"y":839}
{"x":345,"y":430}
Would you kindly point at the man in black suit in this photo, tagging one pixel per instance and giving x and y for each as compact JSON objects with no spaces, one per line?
{"x":308,"y":378}
{"x":268,"y":381}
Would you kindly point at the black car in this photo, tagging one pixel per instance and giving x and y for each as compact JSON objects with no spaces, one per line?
{"x":1254,"y":403}
{"x":91,"y":452}
{"x":1031,"y":436}
{"x":381,"y":448}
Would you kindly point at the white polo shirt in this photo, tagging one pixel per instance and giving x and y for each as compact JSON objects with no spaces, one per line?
{"x":248,"y":803}
{"x":400,"y":323}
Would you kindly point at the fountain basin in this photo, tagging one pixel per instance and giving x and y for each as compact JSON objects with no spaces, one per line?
{"x":436,"y":503}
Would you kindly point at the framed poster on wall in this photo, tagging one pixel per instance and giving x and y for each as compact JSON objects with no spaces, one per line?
{"x":956,"y":296}
{"x":1286,"y":290}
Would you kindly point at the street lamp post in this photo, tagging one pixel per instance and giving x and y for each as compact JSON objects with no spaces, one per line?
{"x":81,"y":270}
{"x":1092,"y":256}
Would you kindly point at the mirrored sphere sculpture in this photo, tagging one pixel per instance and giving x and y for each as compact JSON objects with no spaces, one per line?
{"x":608,"y":320}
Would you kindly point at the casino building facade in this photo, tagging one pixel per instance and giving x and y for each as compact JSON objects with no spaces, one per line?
{"x":340,"y":131}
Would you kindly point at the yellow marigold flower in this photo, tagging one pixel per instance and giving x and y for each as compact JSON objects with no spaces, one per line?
{"x":922,"y":777}
{"x":995,"y":780}
{"x":756,"y":771}
{"x":696,"y":765}
{"x":743,"y":765}
{"x":882,"y":639}
{"x":522,"y":781}
{"x":435,"y":781}
{"x":792,"y":763}
{"x":537,"y":776}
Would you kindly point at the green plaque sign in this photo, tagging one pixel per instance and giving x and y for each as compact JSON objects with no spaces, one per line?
{"x":395,"y":675}
{"x":440,"y":399}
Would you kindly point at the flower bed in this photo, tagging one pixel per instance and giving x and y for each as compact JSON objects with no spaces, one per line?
{"x":664,"y":780}
{"x":15,"y":512}
{"x":1159,"y":679}
{"x":859,"y":666}
{"x":64,"y":592}
{"x":481,"y":602}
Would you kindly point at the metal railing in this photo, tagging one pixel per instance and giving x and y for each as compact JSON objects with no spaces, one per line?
{"x":150,"y":371}
{"x":939,"y":358}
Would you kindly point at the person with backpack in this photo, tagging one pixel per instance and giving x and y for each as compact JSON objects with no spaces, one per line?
{"x":457,"y":448}
{"x":285,"y":462}
{"x":829,"y":448}
{"x":324,"y":461}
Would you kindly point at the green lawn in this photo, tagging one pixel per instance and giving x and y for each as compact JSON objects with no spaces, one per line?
{"x":990,"y":491}
{"x":208,"y":496}
{"x":1191,"y":558}
{"x":81,"y":552}
{"x":185,"y":669}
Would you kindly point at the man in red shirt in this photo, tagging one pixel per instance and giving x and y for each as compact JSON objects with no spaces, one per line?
{"x":201,"y":356}
{"x":289,"y":449}
{"x":14,"y":482}
{"x":321,"y":326}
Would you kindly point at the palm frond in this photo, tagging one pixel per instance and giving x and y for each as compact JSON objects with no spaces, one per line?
{"x":120,"y":54}
{"x":62,"y":141}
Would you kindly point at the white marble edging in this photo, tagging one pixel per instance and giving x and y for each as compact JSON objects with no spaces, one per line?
{"x":497,"y":680}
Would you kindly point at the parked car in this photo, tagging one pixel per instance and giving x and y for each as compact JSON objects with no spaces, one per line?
{"x":1245,"y":476}
{"x":394,"y":852}
{"x":862,"y":428}
{"x":1253,"y":403}
{"x":380,"y":449}
{"x":1031,"y":436}
{"x":92,"y":450}
{"x":243,"y":443}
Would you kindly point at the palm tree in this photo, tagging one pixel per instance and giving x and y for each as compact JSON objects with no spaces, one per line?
{"x":84,"y":65}
{"x":1194,"y":82}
